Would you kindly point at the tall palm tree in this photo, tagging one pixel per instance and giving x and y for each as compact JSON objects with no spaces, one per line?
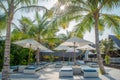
{"x":10,"y":7}
{"x":88,"y":13}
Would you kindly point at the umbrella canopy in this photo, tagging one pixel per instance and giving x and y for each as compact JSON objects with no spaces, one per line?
{"x":47,"y":50}
{"x":86,"y":47}
{"x":91,"y":52}
{"x":72,"y":50}
{"x":62,"y":47}
{"x":31,"y":43}
{"x":75,"y":41}
{"x":27,"y":43}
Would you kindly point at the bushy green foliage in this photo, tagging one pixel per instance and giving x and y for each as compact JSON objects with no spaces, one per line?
{"x":18,"y":55}
{"x":1,"y":53}
{"x":107,"y":59}
{"x":51,"y":58}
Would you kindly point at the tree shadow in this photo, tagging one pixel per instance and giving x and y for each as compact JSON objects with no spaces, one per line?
{"x":91,"y":79}
{"x":109,"y":77}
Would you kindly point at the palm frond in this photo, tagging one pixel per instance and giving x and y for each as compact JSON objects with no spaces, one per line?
{"x":31,"y":8}
{"x":111,"y":20}
{"x":26,"y":24}
{"x":25,"y":2}
{"x":109,"y":4}
{"x":85,"y":24}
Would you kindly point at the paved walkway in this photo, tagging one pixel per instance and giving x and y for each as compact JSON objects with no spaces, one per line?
{"x":51,"y":73}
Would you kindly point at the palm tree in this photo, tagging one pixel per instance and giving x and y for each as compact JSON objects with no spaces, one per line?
{"x":40,"y":29}
{"x":22,"y":31}
{"x":106,"y":46}
{"x":88,"y":13}
{"x":10,"y":7}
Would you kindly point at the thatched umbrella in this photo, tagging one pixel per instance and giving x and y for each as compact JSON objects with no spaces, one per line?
{"x":75,"y":42}
{"x":32,"y":44}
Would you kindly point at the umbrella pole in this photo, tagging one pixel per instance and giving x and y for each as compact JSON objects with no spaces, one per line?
{"x":29,"y":56}
{"x":37,"y":56}
{"x":63,"y":56}
{"x":69,"y":57}
{"x":74,"y":54}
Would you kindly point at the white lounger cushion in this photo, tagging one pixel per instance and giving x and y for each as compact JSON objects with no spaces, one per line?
{"x":90,"y":73}
{"x":66,"y":71}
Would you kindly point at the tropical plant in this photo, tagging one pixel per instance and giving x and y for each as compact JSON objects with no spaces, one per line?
{"x":117,"y":32}
{"x":1,"y":53}
{"x":88,"y":13}
{"x":14,"y":60}
{"x":10,"y":7}
{"x":107,"y":59}
{"x":40,"y":29}
{"x":106,"y":46}
{"x":22,"y":32}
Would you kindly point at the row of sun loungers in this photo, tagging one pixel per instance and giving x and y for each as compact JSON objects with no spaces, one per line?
{"x":34,"y":68}
{"x":67,"y":72}
{"x":30,"y":68}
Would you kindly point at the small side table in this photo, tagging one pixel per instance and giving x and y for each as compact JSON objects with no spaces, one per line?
{"x":76,"y":70}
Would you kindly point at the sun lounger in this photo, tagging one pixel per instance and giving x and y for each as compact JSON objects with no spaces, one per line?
{"x":66,"y":71}
{"x":30,"y":69}
{"x":89,"y":72}
{"x":70,"y":63}
{"x":80,"y":62}
{"x":66,"y":78}
{"x":13,"y":68}
{"x":58,"y":65}
{"x":93,"y":64}
{"x":115,"y":60}
{"x":34,"y":68}
{"x":21,"y":68}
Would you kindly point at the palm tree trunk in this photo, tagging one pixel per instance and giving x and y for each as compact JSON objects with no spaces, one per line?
{"x":100,"y":60}
{"x":6,"y":63}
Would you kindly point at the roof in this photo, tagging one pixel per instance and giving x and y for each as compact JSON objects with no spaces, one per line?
{"x":115,"y":39}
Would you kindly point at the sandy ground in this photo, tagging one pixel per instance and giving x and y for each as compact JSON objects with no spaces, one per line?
{"x":51,"y":73}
